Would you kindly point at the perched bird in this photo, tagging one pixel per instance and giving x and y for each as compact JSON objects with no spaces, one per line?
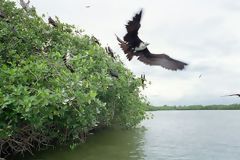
{"x":25,"y":5}
{"x":143,"y":79}
{"x":200,"y":76}
{"x":95,"y":40}
{"x":114,"y":74}
{"x":66,"y":59}
{"x":134,"y":46}
{"x":2,"y":15}
{"x":233,"y":95}
{"x":110,"y":51}
{"x":52,"y":22}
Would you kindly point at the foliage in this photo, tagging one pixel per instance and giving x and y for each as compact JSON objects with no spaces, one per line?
{"x":196,"y":107}
{"x":41,"y":98}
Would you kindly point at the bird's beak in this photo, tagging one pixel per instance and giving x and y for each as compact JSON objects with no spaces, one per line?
{"x":147,"y":44}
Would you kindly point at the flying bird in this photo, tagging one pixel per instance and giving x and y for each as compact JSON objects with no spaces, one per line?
{"x":87,"y":6}
{"x":25,"y":5}
{"x":52,"y":22}
{"x":110,"y":51}
{"x":134,"y":46}
{"x":66,"y":59}
{"x":233,"y":95}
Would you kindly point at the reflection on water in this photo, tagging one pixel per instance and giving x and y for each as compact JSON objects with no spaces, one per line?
{"x":109,"y":144}
{"x":170,"y":135}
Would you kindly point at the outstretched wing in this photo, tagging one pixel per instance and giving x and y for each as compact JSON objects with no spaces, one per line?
{"x":134,"y":25}
{"x":126,"y":49}
{"x":132,"y":30}
{"x":160,"y":59}
{"x":234,"y":95}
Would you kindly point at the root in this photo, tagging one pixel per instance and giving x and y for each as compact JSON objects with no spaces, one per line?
{"x":26,"y":140}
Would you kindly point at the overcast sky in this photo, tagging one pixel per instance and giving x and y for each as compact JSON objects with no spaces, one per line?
{"x":205,"y":34}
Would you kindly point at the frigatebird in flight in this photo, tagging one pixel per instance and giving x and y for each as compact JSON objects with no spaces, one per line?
{"x":233,"y":95}
{"x":134,"y":46}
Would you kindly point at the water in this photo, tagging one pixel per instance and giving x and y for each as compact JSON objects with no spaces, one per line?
{"x":170,"y":135}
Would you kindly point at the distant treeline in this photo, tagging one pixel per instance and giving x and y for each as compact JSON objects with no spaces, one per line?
{"x":196,"y":107}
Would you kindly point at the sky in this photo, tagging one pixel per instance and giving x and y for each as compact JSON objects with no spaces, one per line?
{"x":205,"y":34}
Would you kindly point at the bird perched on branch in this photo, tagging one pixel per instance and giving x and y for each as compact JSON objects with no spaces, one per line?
{"x":110,"y":51}
{"x":114,"y":74}
{"x":95,"y":40}
{"x":143,"y":79}
{"x":25,"y":5}
{"x":134,"y":46}
{"x":2,"y":15}
{"x":233,"y":95}
{"x":52,"y":22}
{"x":66,"y":59}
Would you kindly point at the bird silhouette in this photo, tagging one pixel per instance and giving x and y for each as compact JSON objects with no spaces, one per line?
{"x":233,"y":95}
{"x":66,"y":59}
{"x":52,"y":22}
{"x":110,"y":51}
{"x":2,"y":15}
{"x":114,"y":74}
{"x":25,"y":5}
{"x":134,"y":46}
{"x":95,"y":40}
{"x":143,"y":79}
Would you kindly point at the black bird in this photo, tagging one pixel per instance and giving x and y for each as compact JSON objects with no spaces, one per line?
{"x":66,"y":59}
{"x":134,"y":46}
{"x":25,"y":5}
{"x":2,"y":15}
{"x":234,"y":95}
{"x":114,"y":74}
{"x":110,"y":51}
{"x":95,"y":40}
{"x":52,"y":22}
{"x":143,"y":79}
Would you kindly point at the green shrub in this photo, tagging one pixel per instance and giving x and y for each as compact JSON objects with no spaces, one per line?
{"x":41,"y":100}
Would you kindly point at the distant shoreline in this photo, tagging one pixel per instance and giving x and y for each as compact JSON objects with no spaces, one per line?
{"x":195,"y":107}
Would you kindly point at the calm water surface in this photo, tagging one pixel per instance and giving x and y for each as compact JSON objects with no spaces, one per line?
{"x":170,"y":135}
